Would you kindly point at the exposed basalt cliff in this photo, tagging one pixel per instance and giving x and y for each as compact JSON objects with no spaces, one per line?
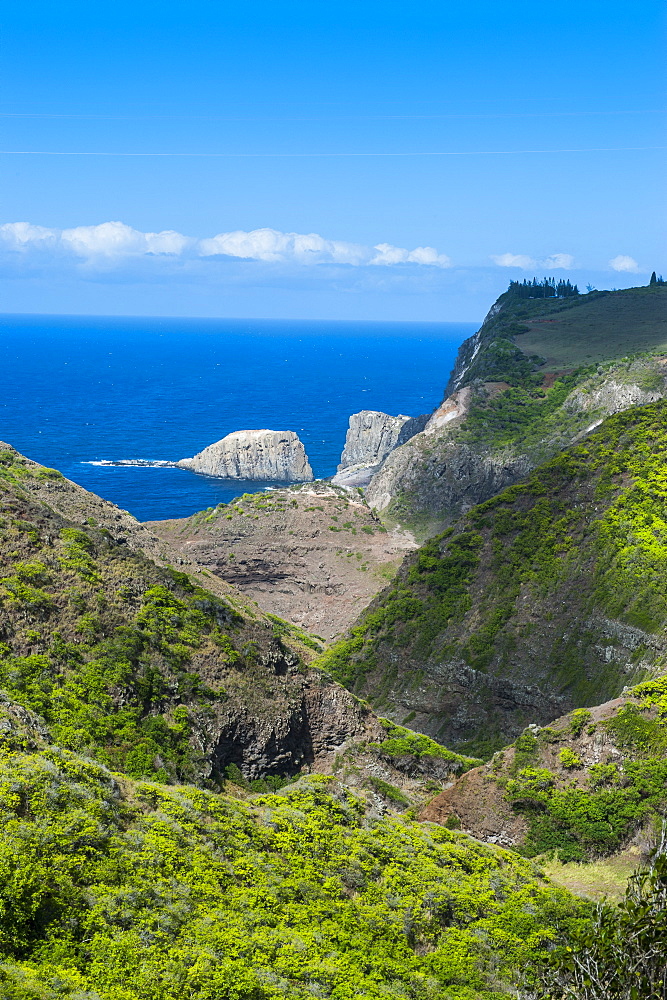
{"x":535,"y":378}
{"x":549,"y":596}
{"x":315,"y":555}
{"x":261,"y":454}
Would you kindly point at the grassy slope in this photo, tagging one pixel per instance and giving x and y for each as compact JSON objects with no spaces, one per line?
{"x":560,"y":582}
{"x":525,"y":336}
{"x":538,"y":371}
{"x":598,"y":328}
{"x":118,"y":890}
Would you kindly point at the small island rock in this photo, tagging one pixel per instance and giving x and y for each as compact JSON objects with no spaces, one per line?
{"x":260,"y":455}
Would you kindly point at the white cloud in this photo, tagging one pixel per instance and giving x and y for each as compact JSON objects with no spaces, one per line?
{"x":624,"y":263}
{"x":555,"y":261}
{"x":272,"y":245}
{"x":514,"y":260}
{"x":114,"y":243}
{"x":388,"y":254}
{"x":22,"y":235}
{"x":115,"y":239}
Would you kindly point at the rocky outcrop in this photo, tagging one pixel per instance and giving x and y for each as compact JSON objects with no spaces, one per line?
{"x":259,"y":455}
{"x":497,"y":421}
{"x":371,"y":436}
{"x":293,"y":719}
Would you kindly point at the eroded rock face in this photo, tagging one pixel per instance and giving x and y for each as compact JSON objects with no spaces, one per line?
{"x":437,"y":475}
{"x":260,"y":455}
{"x":371,"y":436}
{"x":315,"y":555}
{"x":478,"y":798}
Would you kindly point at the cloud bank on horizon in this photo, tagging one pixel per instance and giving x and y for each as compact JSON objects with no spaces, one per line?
{"x":114,"y":267}
{"x":109,"y":241}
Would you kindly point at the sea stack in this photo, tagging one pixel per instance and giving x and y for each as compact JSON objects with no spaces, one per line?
{"x":261,"y":455}
{"x":371,"y":436}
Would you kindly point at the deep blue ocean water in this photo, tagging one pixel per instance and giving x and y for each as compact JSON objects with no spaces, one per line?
{"x":77,"y":390}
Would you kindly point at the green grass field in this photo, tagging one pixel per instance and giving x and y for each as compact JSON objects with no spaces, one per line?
{"x":605,"y":878}
{"x":597,"y":328}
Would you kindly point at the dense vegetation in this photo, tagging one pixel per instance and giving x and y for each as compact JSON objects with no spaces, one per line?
{"x":585,"y":788}
{"x":136,"y":891}
{"x":119,"y":882}
{"x":524,"y":586}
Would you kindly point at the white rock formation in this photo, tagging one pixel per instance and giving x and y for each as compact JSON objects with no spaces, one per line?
{"x":371,"y":436}
{"x":263,"y":454}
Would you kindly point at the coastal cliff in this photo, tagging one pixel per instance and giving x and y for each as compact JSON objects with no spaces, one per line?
{"x":371,"y":436}
{"x":258,"y":454}
{"x":549,"y":596}
{"x":538,"y":376}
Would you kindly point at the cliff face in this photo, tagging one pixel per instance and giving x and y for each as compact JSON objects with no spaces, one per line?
{"x":549,"y":596}
{"x":260,"y":455}
{"x":371,"y":436}
{"x":535,"y":378}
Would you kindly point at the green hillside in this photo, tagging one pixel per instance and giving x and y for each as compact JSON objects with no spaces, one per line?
{"x":549,"y":596}
{"x":117,"y":890}
{"x":582,"y":786}
{"x":522,"y":336}
{"x":533,"y":380}
{"x":596,"y":328}
{"x":126,"y":662}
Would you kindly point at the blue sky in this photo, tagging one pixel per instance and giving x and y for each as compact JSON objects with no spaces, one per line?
{"x":347,"y":160}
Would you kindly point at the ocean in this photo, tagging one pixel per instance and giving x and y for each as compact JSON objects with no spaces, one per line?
{"x":82,"y":393}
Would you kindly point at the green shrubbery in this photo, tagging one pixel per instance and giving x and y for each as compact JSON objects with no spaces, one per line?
{"x":143,"y":892}
{"x":402,"y":742}
{"x":591,"y":811}
{"x":111,"y":667}
{"x":582,"y":538}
